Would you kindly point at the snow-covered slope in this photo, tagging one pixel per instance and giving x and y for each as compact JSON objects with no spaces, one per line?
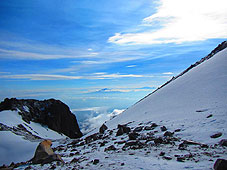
{"x":187,"y":101}
{"x":179,"y":126}
{"x":18,"y":139}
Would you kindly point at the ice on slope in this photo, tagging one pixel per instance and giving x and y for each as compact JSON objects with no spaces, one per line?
{"x":186,"y":102}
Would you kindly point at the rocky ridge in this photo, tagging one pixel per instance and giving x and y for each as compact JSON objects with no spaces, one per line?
{"x":51,"y":113}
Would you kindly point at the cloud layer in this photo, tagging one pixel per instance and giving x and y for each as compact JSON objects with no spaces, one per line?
{"x":180,"y":21}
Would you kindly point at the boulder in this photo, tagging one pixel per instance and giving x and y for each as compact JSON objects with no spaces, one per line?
{"x":110,"y":148}
{"x":220,"y":164}
{"x":123,"y":129}
{"x":168,"y":133}
{"x":216,"y":135}
{"x":44,"y":154}
{"x":223,"y":142}
{"x":163,"y":128}
{"x":133,"y":135}
{"x":103,"y":128}
{"x":138,"y":129}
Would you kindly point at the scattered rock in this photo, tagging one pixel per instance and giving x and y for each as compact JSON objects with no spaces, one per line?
{"x":167,"y":157}
{"x":168,"y":133}
{"x":133,"y":136}
{"x":110,"y":148}
{"x":158,"y":140}
{"x":44,"y":154}
{"x":223,"y":142}
{"x":148,"y":128}
{"x":134,"y":145}
{"x":93,"y":138}
{"x":162,"y":153}
{"x":138,"y":129}
{"x":209,"y":116}
{"x":177,"y":130}
{"x":180,"y":159}
{"x":96,"y":161}
{"x":74,"y":160}
{"x":123,"y":129}
{"x":216,"y":135}
{"x":163,"y":128}
{"x":103,"y":128}
{"x":53,"y":167}
{"x":182,"y":146}
{"x":220,"y":164}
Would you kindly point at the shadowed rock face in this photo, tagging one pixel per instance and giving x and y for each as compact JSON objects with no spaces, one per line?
{"x":52,"y":113}
{"x":44,"y":154}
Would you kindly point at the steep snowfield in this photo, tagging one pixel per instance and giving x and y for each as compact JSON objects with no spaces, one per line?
{"x":186,"y":102}
{"x":12,"y":119}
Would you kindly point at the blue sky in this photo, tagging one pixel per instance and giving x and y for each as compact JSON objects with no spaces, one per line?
{"x":91,"y":53}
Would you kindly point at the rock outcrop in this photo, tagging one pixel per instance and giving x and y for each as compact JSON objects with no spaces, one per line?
{"x":44,"y":154}
{"x":52,"y":113}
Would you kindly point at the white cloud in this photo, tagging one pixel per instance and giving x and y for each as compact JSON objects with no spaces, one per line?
{"x":167,"y":73}
{"x":97,"y":121}
{"x":65,"y":77}
{"x":40,"y":77}
{"x":181,"y":21}
{"x":130,"y":66}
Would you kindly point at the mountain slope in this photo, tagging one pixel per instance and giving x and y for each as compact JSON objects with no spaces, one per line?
{"x":187,"y":101}
{"x":182,"y":125}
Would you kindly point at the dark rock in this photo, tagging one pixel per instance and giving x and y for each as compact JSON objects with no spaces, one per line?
{"x":53,"y":167}
{"x":209,"y":116}
{"x":44,"y":154}
{"x":28,"y":168}
{"x":167,"y":157}
{"x":182,"y":146}
{"x":216,"y":135}
{"x":138,"y":129}
{"x":93,"y":137}
{"x":133,"y":136}
{"x":103,"y":128}
{"x":223,"y":142}
{"x":158,"y":140}
{"x":122,"y":164}
{"x":52,"y":113}
{"x":74,"y":160}
{"x":96,"y":161}
{"x":110,"y":148}
{"x":120,"y":142}
{"x":177,"y":130}
{"x":220,"y":164}
{"x":168,"y":133}
{"x":148,"y":128}
{"x":163,"y":128}
{"x":180,"y":159}
{"x":134,"y":145}
{"x":123,"y":129}
{"x":162,"y":153}
{"x":154,"y":125}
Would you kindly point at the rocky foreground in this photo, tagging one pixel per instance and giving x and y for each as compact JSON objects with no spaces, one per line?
{"x":134,"y":146}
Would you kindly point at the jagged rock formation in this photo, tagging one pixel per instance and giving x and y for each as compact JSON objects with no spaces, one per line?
{"x":52,"y":113}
